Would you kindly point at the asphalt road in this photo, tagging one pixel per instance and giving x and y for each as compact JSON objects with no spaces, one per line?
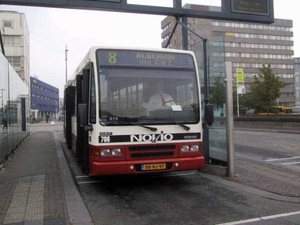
{"x":267,"y":146}
{"x":182,"y":199}
{"x":192,"y":197}
{"x":273,"y":149}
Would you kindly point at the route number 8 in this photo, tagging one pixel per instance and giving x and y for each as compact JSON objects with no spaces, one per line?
{"x":112,"y":57}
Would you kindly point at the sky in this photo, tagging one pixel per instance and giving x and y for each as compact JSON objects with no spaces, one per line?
{"x":52,"y":30}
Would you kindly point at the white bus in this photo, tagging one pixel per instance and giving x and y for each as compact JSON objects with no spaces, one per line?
{"x":296,"y":110}
{"x":134,"y":111}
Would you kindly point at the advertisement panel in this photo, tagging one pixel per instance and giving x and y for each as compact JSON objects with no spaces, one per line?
{"x":240,"y":81}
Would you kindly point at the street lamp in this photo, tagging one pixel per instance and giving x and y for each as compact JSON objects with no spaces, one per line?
{"x":66,"y":57}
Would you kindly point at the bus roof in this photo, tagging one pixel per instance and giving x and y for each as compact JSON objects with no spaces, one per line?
{"x":94,"y":48}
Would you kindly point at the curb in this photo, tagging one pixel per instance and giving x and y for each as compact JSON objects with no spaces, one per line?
{"x":215,"y":170}
{"x":267,"y":130}
{"x":77,"y":209}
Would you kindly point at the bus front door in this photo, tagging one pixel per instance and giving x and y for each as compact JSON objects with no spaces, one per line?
{"x":82,"y":97}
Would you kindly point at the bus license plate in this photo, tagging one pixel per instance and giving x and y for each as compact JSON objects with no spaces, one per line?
{"x":161,"y":166}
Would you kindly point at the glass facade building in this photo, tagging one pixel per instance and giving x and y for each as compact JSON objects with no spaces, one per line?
{"x":14,"y":108}
{"x":246,"y":45}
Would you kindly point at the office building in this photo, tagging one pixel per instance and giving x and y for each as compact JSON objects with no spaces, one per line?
{"x":15,"y":36}
{"x":246,"y":45}
{"x":297,"y":81}
{"x":44,"y":99}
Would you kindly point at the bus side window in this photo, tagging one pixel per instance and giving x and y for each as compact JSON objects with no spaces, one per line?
{"x":92,"y":97}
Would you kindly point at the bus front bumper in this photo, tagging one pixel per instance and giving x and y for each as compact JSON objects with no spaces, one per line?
{"x":146,"y":166}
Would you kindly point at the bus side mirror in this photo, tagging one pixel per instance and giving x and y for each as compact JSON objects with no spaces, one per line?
{"x":209,"y":114}
{"x":82,"y":111}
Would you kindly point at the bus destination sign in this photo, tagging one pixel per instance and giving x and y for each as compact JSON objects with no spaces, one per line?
{"x":134,"y":58}
{"x":256,"y":7}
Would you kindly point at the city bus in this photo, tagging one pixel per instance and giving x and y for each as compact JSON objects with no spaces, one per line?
{"x":114,"y":128}
{"x":278,"y":110}
{"x":296,"y":110}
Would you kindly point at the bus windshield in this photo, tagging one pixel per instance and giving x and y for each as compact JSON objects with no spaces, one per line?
{"x":138,"y":87}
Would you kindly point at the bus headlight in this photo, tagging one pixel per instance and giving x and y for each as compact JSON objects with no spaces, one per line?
{"x":105,"y":152}
{"x":116,"y":151}
{"x":194,"y":148}
{"x":185,"y":148}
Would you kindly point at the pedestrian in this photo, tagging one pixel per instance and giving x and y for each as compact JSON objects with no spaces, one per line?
{"x":47,"y":118}
{"x":4,"y":122}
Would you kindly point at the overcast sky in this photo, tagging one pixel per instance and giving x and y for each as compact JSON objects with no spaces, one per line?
{"x":52,"y":29}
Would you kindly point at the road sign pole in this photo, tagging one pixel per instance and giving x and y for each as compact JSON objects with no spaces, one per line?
{"x":229,"y":121}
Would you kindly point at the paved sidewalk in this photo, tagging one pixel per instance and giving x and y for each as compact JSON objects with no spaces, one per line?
{"x":270,"y":178}
{"x":37,"y":187}
{"x":267,"y":180}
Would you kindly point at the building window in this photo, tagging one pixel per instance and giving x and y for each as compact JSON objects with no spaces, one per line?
{"x":218,"y":33}
{"x":11,"y":40}
{"x":166,"y":27}
{"x":8,"y":23}
{"x":14,"y":61}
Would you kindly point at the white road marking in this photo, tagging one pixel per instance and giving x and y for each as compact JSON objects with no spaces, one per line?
{"x":261,"y":218}
{"x":92,"y":182}
{"x":273,"y":160}
{"x":291,"y":163}
{"x":82,"y":176}
{"x":241,"y":222}
{"x":280,"y":215}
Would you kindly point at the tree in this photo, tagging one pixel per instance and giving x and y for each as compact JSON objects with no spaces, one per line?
{"x":247,"y":101}
{"x":218,"y":92}
{"x":265,"y":89}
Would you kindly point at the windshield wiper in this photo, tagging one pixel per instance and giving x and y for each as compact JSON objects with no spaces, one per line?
{"x":150,"y":128}
{"x":185,"y":127}
{"x":126,"y":120}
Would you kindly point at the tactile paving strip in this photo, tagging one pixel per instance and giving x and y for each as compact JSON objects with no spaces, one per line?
{"x":27,"y":203}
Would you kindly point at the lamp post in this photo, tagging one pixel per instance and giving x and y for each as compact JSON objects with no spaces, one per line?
{"x":66,"y":56}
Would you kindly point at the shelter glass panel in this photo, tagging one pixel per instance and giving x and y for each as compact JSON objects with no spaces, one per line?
{"x":217,"y":94}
